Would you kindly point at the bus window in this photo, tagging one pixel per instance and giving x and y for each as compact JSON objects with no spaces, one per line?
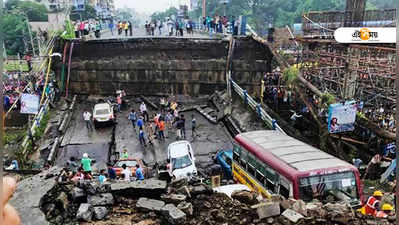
{"x":236,"y":152}
{"x":243,"y":159}
{"x":251,"y":169}
{"x":270,"y":179}
{"x":330,"y":187}
{"x":284,"y":187}
{"x":260,"y":177}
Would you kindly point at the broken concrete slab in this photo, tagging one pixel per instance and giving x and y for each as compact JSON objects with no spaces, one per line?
{"x":29,"y":208}
{"x":173,"y":214}
{"x":78,"y":194}
{"x":139,"y":188}
{"x":146,"y":204}
{"x":267,"y":209}
{"x":173,"y":198}
{"x":100,"y":199}
{"x":186,"y":207}
{"x":100,"y":212}
{"x":292,"y":216}
{"x":85,"y":212}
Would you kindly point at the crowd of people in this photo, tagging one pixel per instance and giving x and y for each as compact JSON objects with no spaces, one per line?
{"x":221,"y":24}
{"x":161,"y":124}
{"x":77,"y":171}
{"x":86,"y":27}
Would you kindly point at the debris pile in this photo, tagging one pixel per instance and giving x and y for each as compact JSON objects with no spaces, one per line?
{"x":154,"y":202}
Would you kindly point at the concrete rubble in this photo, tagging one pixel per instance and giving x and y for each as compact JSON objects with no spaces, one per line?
{"x":68,"y":203}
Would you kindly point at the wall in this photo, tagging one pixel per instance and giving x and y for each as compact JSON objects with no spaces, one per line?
{"x":159,"y":66}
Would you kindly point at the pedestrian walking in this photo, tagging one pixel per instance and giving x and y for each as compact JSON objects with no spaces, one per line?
{"x":160,"y":25}
{"x":178,"y":122}
{"x":140,"y":123}
{"x":111,"y":172}
{"x":86,"y":163}
{"x":161,"y":130}
{"x":87,"y":119}
{"x":183,"y":126}
{"x":142,"y":137}
{"x":111,"y":27}
{"x":133,"y":118}
{"x":119,"y":102}
{"x":168,"y":120}
{"x":143,"y":110}
{"x":150,"y":132}
{"x":130,"y":29}
{"x":193,"y":126}
{"x":125,"y":27}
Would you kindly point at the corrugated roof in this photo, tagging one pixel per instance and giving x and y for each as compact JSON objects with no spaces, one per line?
{"x":295,"y":153}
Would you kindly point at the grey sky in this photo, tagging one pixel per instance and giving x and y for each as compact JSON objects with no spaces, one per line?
{"x":149,"y":6}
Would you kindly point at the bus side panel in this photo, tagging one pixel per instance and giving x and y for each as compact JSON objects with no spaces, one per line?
{"x":241,"y":176}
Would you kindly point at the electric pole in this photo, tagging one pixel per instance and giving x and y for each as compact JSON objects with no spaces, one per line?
{"x":203,"y":8}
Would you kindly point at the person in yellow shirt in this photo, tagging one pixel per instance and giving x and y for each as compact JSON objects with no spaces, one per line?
{"x":125,"y":27}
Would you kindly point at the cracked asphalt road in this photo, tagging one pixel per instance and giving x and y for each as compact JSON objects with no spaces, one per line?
{"x":79,"y":140}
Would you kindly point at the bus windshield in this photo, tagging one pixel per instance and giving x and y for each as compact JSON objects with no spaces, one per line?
{"x":329,"y":188}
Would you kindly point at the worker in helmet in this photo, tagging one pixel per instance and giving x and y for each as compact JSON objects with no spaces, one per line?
{"x":372,"y":205}
{"x":386,"y":210}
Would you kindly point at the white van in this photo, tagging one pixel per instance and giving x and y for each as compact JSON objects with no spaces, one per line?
{"x":182,"y":160}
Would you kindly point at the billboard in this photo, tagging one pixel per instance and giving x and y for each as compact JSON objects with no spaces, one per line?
{"x":341,"y":117}
{"x":79,"y":5}
{"x":29,"y":104}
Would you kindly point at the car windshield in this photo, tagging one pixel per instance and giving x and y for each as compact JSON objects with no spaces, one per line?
{"x":328,"y":188}
{"x":181,"y":162}
{"x":102,"y":111}
{"x":128,"y":163}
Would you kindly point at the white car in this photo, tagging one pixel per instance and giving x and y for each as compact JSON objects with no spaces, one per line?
{"x":182,"y":160}
{"x":103,"y":113}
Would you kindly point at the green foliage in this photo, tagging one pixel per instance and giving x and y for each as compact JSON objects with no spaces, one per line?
{"x":13,"y":65}
{"x":290,"y":75}
{"x":11,"y":137}
{"x":39,"y":131}
{"x":34,"y":11}
{"x":162,"y":15}
{"x":70,"y":32}
{"x":278,"y":12}
{"x":88,"y":13}
{"x":15,"y":32}
{"x":327,"y":99}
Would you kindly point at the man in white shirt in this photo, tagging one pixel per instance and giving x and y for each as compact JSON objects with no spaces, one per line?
{"x":87,"y":118}
{"x":127,"y":173}
{"x":143,"y":110}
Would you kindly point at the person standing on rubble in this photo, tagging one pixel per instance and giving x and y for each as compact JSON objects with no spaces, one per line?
{"x":86,"y":163}
{"x":133,"y":118}
{"x":139,"y":172}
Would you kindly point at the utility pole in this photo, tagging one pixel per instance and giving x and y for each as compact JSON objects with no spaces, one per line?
{"x":30,"y":35}
{"x":203,"y":8}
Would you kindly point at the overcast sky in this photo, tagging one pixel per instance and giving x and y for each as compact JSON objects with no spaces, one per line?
{"x":149,"y":6}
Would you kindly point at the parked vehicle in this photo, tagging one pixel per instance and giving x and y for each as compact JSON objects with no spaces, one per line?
{"x":131,"y":163}
{"x":270,"y":162}
{"x":103,"y":113}
{"x":182,"y":160}
{"x":225,"y":158}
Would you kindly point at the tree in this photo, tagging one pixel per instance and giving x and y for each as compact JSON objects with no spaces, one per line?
{"x":15,"y":33}
{"x":34,"y":11}
{"x":162,"y":15}
{"x":88,"y":13}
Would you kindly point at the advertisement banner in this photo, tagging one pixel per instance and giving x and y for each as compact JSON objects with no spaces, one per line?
{"x":341,"y":117}
{"x":79,"y":5}
{"x":29,"y":104}
{"x":365,"y":35}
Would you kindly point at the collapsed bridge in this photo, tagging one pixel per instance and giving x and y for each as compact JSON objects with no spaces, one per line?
{"x":162,"y":66}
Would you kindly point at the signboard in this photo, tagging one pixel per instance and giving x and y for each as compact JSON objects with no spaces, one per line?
{"x":341,"y":117}
{"x":29,"y":104}
{"x":79,"y":5}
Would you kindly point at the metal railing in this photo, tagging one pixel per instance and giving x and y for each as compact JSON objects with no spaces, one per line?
{"x":272,"y":123}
